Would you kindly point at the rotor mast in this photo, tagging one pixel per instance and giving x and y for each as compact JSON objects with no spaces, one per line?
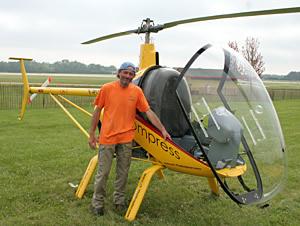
{"x":145,"y":26}
{"x":147,"y":49}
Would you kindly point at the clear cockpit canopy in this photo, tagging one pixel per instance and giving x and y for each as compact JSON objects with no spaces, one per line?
{"x":235,"y":120}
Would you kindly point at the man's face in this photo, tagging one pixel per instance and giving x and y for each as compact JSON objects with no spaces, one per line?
{"x":126,"y":77}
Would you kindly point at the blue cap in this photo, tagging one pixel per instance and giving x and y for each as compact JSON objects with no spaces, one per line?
{"x":127,"y":66}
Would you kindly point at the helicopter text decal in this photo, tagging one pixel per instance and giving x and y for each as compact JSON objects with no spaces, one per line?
{"x":151,"y":141}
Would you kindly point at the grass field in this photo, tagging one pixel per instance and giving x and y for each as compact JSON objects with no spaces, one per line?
{"x":282,"y":84}
{"x":42,"y":154}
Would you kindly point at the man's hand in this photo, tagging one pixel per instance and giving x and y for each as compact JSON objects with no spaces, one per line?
{"x":94,"y":123}
{"x":92,"y":142}
{"x":166,"y":134}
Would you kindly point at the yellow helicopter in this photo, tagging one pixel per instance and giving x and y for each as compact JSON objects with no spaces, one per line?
{"x":222,"y":121}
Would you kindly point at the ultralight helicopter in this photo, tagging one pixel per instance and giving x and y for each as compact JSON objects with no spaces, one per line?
{"x":222,"y":121}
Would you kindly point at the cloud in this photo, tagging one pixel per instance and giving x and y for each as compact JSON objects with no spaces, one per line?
{"x":53,"y":30}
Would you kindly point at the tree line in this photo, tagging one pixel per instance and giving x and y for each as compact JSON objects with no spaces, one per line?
{"x":64,"y":66}
{"x":292,"y":76}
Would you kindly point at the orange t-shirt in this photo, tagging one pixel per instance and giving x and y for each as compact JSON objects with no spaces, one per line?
{"x":120,"y":106}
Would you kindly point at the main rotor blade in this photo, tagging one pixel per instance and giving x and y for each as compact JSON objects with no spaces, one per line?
{"x":157,"y":28}
{"x":233,"y":15}
{"x":111,"y":36}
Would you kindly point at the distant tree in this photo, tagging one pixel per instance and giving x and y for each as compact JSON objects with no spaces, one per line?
{"x":64,"y":66}
{"x":251,"y":53}
{"x":293,"y":75}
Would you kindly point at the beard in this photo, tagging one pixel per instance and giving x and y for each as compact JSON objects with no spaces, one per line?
{"x":124,"y":82}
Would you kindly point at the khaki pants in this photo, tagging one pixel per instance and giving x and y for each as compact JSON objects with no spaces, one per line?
{"x":105,"y":157}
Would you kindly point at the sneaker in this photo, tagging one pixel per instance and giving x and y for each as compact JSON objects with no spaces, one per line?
{"x":97,"y":211}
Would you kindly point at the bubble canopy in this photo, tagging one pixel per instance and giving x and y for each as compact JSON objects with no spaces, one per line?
{"x":231,"y":109}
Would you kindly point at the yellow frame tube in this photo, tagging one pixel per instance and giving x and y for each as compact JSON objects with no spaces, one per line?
{"x":65,"y":91}
{"x":212,"y":182}
{"x":144,"y":160}
{"x":75,"y":105}
{"x":87,"y":177}
{"x":140,"y":191}
{"x":70,"y":116}
{"x":160,"y":174}
{"x":26,"y":87}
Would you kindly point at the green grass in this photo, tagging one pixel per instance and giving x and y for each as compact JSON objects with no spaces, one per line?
{"x":42,"y":154}
{"x":273,"y":84}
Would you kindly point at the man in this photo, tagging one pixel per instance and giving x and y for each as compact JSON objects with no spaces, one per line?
{"x":120,"y":99}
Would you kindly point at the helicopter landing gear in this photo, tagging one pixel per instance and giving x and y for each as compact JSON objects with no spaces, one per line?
{"x":140,"y":191}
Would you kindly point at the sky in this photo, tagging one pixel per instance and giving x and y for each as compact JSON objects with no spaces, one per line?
{"x":50,"y":31}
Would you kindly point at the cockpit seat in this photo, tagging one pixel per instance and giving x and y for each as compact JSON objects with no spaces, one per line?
{"x":159,"y":88}
{"x":226,"y":132}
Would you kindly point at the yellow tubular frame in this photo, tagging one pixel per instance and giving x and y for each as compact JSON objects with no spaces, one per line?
{"x":87,"y":177}
{"x":140,"y":191}
{"x":25,"y":85}
{"x":70,"y":116}
{"x":76,"y":106}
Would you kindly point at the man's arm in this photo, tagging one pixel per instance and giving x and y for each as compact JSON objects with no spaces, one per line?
{"x":156,"y":122}
{"x":94,"y":123}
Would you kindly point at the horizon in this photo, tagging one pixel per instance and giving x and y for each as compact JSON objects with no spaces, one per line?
{"x":76,"y":61}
